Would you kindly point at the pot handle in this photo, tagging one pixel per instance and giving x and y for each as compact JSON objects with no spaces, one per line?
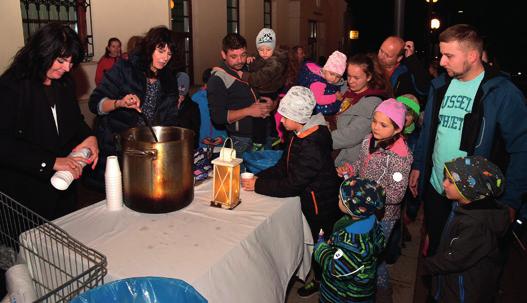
{"x":142,"y":153}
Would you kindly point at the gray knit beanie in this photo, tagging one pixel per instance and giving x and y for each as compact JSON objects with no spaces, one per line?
{"x":297,"y":104}
{"x":266,"y":37}
{"x":183,"y":83}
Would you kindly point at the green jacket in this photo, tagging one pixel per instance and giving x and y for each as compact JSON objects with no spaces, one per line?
{"x":349,"y":262}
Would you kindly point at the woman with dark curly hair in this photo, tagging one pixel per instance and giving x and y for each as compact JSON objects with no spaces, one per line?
{"x":41,"y":122}
{"x":143,"y":84}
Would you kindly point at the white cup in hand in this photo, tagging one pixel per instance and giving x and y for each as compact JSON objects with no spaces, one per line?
{"x":247,"y":175}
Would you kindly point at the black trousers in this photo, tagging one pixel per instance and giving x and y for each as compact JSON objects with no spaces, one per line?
{"x":437,"y":209}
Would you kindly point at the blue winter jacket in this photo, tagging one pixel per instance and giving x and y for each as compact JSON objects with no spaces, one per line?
{"x":496,"y":129}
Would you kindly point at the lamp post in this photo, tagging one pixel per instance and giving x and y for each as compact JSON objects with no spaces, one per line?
{"x":435,"y":24}
{"x":431,"y":28}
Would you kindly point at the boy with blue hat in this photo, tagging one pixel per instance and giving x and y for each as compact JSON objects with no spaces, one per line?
{"x":349,"y":259}
{"x":467,"y":264}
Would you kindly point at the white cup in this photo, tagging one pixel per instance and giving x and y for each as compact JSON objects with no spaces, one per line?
{"x":112,"y":166}
{"x":247,"y":175}
{"x":61,"y":180}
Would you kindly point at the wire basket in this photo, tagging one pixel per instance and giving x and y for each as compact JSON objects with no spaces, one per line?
{"x":60,"y":266}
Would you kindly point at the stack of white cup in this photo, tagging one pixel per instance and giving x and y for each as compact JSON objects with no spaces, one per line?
{"x":114,"y":184}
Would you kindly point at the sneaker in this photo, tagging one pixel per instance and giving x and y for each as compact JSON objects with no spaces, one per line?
{"x":309,"y":289}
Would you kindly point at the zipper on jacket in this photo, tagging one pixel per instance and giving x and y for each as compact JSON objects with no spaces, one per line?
{"x":289,"y":154}
{"x":438,"y":292}
{"x":461,"y":289}
{"x":315,"y":204}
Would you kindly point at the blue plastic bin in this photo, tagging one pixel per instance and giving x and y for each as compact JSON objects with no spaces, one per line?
{"x":257,"y":161}
{"x":142,"y":290}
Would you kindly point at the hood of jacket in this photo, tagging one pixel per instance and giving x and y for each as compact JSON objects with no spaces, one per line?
{"x":493,"y":215}
{"x":312,"y":124}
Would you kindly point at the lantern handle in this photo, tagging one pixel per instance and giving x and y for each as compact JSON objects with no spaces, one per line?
{"x":227,"y":154}
{"x":232,"y":143}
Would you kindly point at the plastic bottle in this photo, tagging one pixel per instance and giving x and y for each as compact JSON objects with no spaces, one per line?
{"x":62,"y":179}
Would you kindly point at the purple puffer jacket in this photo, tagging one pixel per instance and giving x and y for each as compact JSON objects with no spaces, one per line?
{"x":390,"y":168}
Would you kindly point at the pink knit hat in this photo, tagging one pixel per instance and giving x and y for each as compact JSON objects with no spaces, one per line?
{"x":336,"y":63}
{"x":394,"y":110}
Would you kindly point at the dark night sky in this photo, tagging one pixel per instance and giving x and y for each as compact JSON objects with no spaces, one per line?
{"x":500,"y":22}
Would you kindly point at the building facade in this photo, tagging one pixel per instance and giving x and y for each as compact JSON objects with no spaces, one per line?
{"x":200,"y":26}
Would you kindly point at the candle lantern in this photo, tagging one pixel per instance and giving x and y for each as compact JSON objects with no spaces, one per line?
{"x":226,"y":178}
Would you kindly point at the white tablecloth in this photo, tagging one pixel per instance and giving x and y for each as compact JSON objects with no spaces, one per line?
{"x":244,"y":255}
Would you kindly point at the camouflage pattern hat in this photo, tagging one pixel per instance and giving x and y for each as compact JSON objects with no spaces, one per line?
{"x":476,"y":177}
{"x":362,"y":197}
{"x":297,"y":104}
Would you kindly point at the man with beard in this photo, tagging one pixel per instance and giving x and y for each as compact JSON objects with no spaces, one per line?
{"x":232,"y":102}
{"x":474,"y":110}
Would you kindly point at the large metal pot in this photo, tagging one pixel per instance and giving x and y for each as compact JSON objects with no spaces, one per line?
{"x":157,"y":177}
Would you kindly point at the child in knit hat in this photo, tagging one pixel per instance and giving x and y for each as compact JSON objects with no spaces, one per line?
{"x":349,"y":260}
{"x":413,"y":109}
{"x":385,"y":158}
{"x":266,"y":75}
{"x":326,"y":83}
{"x":306,"y":168}
{"x":467,"y":264}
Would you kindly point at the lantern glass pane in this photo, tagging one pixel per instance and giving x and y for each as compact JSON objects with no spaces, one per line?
{"x":236,"y":184}
{"x":221,"y":183}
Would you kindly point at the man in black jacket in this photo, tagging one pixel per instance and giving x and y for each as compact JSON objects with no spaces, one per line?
{"x":403,"y":69}
{"x":232,"y":102}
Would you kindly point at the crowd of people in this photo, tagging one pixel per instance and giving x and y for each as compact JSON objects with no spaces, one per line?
{"x":364,"y":140}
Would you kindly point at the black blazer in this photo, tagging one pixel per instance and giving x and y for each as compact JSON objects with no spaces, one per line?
{"x":31,"y":142}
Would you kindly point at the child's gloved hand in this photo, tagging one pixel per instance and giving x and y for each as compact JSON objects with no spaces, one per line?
{"x":345,"y":171}
{"x":320,"y":238}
